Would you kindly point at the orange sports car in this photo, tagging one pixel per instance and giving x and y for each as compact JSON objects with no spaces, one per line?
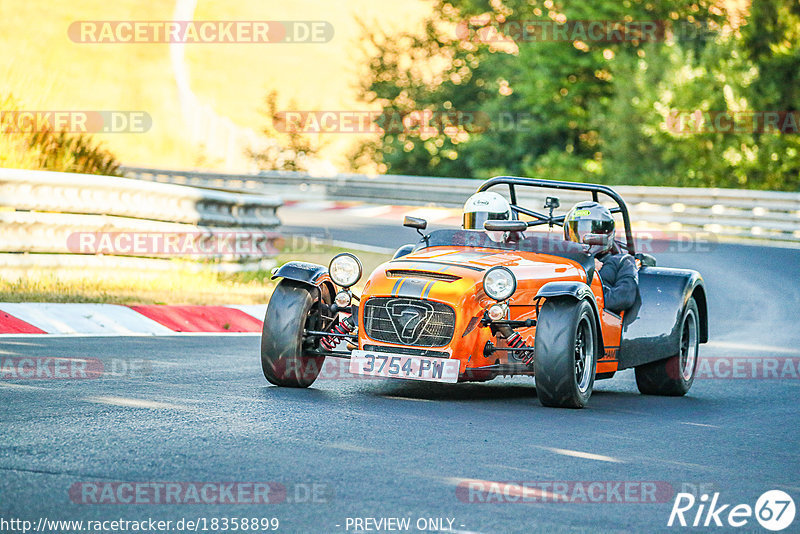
{"x":465,"y":305}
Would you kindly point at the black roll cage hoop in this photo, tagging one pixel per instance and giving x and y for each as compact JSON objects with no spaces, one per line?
{"x":595,"y":189}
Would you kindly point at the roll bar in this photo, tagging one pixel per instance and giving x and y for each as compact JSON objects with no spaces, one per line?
{"x":594,"y":189}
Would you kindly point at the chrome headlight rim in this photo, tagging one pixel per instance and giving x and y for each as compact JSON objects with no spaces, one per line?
{"x":497,"y":311}
{"x":343,"y":299}
{"x":345,"y":283}
{"x":512,"y":287}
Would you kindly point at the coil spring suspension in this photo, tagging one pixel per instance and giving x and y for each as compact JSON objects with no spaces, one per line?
{"x":515,"y":341}
{"x":345,"y":326}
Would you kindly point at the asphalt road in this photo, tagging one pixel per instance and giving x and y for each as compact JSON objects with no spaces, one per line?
{"x":197,"y":409}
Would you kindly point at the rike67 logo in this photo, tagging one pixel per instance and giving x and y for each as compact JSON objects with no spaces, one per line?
{"x":774,"y":510}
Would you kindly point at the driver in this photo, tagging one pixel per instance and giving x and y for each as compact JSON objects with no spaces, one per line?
{"x":485,"y":206}
{"x":488,"y":206}
{"x":617,"y":270}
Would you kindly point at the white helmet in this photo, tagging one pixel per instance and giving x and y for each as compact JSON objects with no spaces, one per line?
{"x":485,"y":206}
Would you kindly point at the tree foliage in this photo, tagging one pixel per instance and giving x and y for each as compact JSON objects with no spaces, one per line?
{"x":286,"y":150}
{"x":591,"y":110}
{"x":49,"y":149}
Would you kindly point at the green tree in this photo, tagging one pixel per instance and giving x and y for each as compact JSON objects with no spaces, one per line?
{"x":597,"y":111}
{"x":288,"y":150}
{"x":50,"y":150}
{"x":771,"y":40}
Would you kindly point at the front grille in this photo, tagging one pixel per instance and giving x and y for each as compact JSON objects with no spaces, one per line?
{"x":413,"y":322}
{"x":408,"y":351}
{"x":400,"y":273}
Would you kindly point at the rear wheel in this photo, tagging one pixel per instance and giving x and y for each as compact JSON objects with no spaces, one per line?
{"x":293,"y":308}
{"x":565,"y":349}
{"x":674,"y":375}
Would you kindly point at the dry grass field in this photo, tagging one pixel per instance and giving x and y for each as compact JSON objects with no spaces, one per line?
{"x":45,"y":70}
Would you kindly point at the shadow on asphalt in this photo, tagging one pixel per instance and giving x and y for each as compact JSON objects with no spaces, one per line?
{"x":272,"y":393}
{"x":489,"y":393}
{"x":629,"y":401}
{"x":456,"y":392}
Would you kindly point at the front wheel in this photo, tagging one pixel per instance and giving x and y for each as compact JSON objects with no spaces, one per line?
{"x":293,"y":308}
{"x":674,"y":376}
{"x":565,"y":349}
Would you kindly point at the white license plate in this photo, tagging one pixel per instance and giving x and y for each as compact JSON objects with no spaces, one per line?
{"x":365,"y":362}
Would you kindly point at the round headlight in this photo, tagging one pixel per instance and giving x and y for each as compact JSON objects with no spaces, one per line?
{"x":343,"y":299}
{"x":499,"y":283}
{"x":497,"y":312}
{"x":345,"y":269}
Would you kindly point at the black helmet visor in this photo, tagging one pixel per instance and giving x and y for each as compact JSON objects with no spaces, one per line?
{"x":582,"y":226}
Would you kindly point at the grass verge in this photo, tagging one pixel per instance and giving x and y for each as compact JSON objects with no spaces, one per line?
{"x":185,"y":287}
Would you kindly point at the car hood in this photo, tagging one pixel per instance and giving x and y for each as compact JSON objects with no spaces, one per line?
{"x":455,"y":275}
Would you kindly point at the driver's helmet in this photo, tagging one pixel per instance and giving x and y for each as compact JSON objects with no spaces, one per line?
{"x":589,"y":217}
{"x":485,"y":206}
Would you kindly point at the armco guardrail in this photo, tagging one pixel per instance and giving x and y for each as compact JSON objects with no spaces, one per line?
{"x":43,"y":215}
{"x":740,"y":214}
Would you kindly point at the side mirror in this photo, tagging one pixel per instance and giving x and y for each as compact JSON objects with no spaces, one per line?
{"x":597,"y":239}
{"x":505,"y":226}
{"x":414,"y":222}
{"x":647,"y":260}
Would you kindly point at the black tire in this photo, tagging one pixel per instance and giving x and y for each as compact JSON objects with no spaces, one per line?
{"x":565,"y":348}
{"x":291,"y":309}
{"x":674,"y":376}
